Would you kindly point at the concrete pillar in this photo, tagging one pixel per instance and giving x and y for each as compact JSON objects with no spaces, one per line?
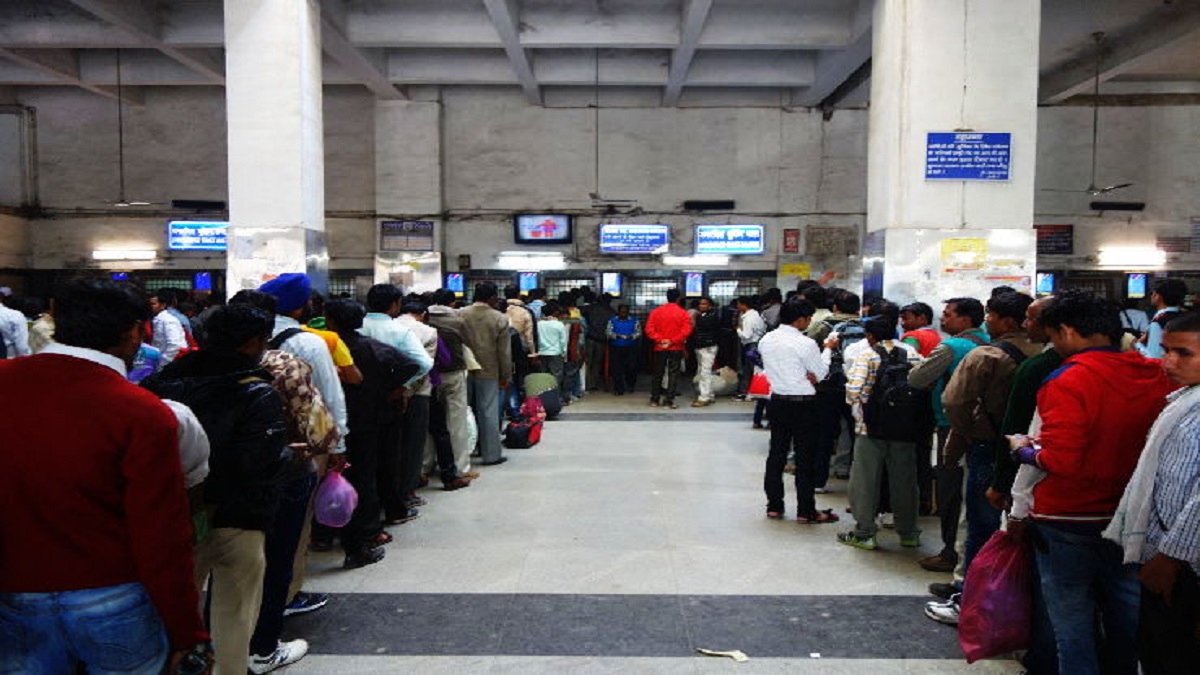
{"x":950,"y":66}
{"x":408,"y":193}
{"x":276,"y":150}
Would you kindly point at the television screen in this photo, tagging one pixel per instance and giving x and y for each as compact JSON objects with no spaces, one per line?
{"x":196,"y":235}
{"x":1135,"y":286}
{"x":693,"y":284}
{"x":529,"y":281}
{"x":646,"y":239}
{"x":611,"y":283}
{"x":456,"y":282}
{"x":542,"y":229}
{"x":729,"y":239}
{"x":1045,"y":283}
{"x":202,"y":281}
{"x":120,"y":276}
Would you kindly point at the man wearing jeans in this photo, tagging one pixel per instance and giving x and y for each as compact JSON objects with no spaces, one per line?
{"x":793,"y":364}
{"x":668,"y":327}
{"x":1095,"y":410}
{"x":487,"y":336}
{"x":96,"y":518}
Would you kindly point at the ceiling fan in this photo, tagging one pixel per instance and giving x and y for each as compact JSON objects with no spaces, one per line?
{"x":1092,"y":188}
{"x":121,"y":201}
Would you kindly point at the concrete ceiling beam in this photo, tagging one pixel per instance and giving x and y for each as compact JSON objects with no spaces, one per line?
{"x":371,"y":72}
{"x":62,"y":66}
{"x":505,"y":17}
{"x":695,"y":13}
{"x":1123,"y":49}
{"x":833,"y":69}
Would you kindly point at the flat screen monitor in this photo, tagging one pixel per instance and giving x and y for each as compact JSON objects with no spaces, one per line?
{"x":693,"y":284}
{"x":542,"y":228}
{"x":1045,"y":283}
{"x":456,"y":282}
{"x":730,"y":239}
{"x":528,"y":281}
{"x":611,"y":283}
{"x":618,"y":238}
{"x":196,"y":235}
{"x":120,"y":276}
{"x":202,"y":281}
{"x":1135,"y":286}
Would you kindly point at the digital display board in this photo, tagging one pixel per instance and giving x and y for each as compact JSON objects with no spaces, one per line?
{"x":528,"y":281}
{"x":611,"y":283}
{"x":541,"y":229}
{"x":1135,"y":286}
{"x":202,"y":281}
{"x":693,"y":284}
{"x":1045,"y":283}
{"x":729,"y":239}
{"x":456,"y":282}
{"x":196,"y":235}
{"x":634,"y":238}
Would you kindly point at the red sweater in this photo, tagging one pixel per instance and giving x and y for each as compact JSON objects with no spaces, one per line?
{"x":669,"y":322}
{"x":92,"y":489}
{"x":1096,"y":411}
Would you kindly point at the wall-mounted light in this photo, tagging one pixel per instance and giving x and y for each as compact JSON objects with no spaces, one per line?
{"x":124,"y":254}
{"x":530,"y":261}
{"x":696,"y":260}
{"x":1132,"y":256}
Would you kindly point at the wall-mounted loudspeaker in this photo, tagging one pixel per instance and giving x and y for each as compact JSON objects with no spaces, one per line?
{"x":197,"y":204}
{"x":1117,"y":206}
{"x":708,"y":205}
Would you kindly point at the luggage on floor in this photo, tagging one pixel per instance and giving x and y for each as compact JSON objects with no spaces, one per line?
{"x":724,"y":381}
{"x":536,"y":383}
{"x":552,"y":402}
{"x":522,"y":433}
{"x":533,"y":409}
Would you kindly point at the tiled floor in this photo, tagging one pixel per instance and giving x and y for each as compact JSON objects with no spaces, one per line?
{"x":627,"y":539}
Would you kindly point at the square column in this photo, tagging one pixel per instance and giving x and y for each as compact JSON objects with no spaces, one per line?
{"x":956,"y":67}
{"x":276,"y":145}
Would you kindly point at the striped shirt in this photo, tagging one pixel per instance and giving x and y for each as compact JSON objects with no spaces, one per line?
{"x":860,"y":378}
{"x":1175,"y":524}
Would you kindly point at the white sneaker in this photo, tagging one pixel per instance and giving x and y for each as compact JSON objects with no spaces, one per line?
{"x":286,"y":653}
{"x":886,"y":520}
{"x":944,"y":612}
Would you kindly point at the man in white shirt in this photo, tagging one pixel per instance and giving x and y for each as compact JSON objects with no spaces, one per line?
{"x":750,"y":329}
{"x":793,"y":364}
{"x":169,"y":337}
{"x":14,"y":329}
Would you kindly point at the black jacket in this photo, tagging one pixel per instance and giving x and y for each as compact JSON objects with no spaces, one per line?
{"x":243,"y":416}
{"x":707,"y":331}
{"x":384,"y":370}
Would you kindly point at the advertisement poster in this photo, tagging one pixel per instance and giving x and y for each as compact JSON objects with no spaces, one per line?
{"x":791,"y":240}
{"x":791,"y":274}
{"x":964,"y":253}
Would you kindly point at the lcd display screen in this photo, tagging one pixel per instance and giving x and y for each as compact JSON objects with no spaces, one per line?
{"x":202,"y":281}
{"x":1135,"y":286}
{"x":693,"y":284}
{"x":456,"y":282}
{"x":1045,"y":283}
{"x":529,"y":281}
{"x":611,"y":283}
{"x":542,"y":229}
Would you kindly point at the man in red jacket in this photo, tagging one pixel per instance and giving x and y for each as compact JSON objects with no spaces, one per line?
{"x":1096,"y":410}
{"x":97,"y":563}
{"x":668,"y":327}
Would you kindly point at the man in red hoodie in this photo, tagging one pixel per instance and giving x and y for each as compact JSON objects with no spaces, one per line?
{"x":1096,"y":410}
{"x":669,"y":327}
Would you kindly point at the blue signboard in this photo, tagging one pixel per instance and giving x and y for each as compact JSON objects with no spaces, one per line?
{"x":647,"y":239}
{"x":729,"y":239}
{"x":196,"y":235}
{"x":968,"y":156}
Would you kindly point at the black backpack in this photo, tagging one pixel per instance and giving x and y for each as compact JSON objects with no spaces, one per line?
{"x":895,"y":411}
{"x":849,"y":332}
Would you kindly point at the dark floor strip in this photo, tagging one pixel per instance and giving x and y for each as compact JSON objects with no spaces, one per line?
{"x":663,"y":416}
{"x":854,"y":627}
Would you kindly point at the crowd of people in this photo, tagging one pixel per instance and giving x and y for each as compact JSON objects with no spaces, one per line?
{"x":1065,"y":413}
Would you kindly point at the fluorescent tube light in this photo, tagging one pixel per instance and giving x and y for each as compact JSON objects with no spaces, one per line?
{"x":124,"y":254}
{"x":695,"y":260}
{"x":1133,"y":256}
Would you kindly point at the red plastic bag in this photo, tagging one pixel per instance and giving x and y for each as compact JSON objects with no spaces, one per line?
{"x":759,"y":387}
{"x":336,"y":500}
{"x":997,"y":600}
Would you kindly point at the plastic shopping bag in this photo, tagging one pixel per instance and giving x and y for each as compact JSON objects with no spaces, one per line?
{"x":997,"y":601}
{"x":336,"y":500}
{"x":759,"y":386}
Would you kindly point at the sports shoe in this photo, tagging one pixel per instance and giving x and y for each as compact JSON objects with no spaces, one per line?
{"x":912,"y":541}
{"x":852,"y":539}
{"x":304,"y":603}
{"x":286,"y":653}
{"x":887,"y":520}
{"x":944,"y":612}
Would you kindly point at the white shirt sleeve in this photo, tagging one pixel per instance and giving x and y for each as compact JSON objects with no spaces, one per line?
{"x":193,"y":444}
{"x":168,"y":336}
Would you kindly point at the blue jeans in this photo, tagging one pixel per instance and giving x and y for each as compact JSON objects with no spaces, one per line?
{"x":1080,"y":572}
{"x":113,"y":629}
{"x":982,"y":518}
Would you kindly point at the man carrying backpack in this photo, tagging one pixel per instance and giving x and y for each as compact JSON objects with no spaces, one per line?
{"x":831,"y":392}
{"x":888,"y":416}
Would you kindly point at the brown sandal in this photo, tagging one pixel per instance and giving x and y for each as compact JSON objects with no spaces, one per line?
{"x":823,"y":516}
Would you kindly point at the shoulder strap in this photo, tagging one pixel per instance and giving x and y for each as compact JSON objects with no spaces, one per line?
{"x":973,"y":338}
{"x":1010,"y":349}
{"x":284,"y":335}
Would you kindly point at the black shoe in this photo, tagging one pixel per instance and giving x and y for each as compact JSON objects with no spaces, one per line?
{"x":414,"y":501}
{"x":494,"y":463}
{"x":363,"y":558}
{"x":406,"y":516}
{"x":943,"y":591}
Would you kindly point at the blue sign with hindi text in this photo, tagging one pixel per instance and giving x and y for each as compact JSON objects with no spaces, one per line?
{"x":968,"y":155}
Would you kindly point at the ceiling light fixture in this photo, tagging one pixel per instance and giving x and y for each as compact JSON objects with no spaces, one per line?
{"x":1132,"y":256}
{"x":696,"y":260}
{"x":124,"y":254}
